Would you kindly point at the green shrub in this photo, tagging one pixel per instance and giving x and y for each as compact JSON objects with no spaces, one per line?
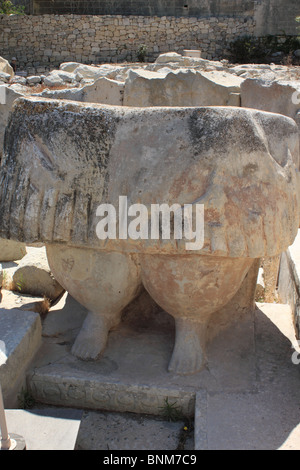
{"x":247,"y":49}
{"x":8,"y":8}
{"x":141,"y":53}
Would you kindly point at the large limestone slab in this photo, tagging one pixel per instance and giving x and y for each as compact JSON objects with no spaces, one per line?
{"x":21,"y":333}
{"x":183,"y":87}
{"x":230,"y":160}
{"x":281,"y":97}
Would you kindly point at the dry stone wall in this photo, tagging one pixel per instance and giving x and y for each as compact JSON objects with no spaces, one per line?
{"x":43,"y":42}
{"x":144,"y":7}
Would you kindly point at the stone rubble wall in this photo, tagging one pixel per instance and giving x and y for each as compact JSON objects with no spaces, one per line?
{"x":44,"y":42}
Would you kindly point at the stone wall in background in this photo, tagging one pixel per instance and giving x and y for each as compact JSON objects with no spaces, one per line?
{"x":271,"y":16}
{"x":144,"y":7}
{"x":45,"y":41}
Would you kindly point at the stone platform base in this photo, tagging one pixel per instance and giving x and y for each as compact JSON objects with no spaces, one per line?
{"x":132,"y":374}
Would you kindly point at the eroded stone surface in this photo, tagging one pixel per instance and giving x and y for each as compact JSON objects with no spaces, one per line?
{"x":244,"y":215}
{"x":6,"y":67}
{"x":234,"y":161}
{"x":33,"y":276}
{"x":183,"y":87}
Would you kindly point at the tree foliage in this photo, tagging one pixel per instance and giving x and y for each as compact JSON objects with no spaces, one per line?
{"x":8,"y":8}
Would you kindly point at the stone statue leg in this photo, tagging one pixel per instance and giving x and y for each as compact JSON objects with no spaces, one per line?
{"x":102,"y":282}
{"x":191,"y":288}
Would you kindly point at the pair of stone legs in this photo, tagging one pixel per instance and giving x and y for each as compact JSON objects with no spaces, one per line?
{"x":189,"y":287}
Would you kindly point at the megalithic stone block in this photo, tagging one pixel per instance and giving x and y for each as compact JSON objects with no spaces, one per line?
{"x":63,"y":159}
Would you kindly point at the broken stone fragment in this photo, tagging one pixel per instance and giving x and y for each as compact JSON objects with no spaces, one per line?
{"x":11,"y":250}
{"x":282,"y":97}
{"x":33,"y":276}
{"x":9,"y":96}
{"x":183,"y":87}
{"x":5,"y":77}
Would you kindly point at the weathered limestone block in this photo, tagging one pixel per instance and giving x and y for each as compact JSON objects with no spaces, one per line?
{"x":11,"y":250}
{"x":281,"y":97}
{"x":6,"y":67}
{"x":69,"y":66}
{"x":63,"y":159}
{"x":9,"y":98}
{"x":104,"y":91}
{"x":183,"y":87}
{"x":33,"y":276}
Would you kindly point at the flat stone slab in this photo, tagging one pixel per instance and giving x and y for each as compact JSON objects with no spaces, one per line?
{"x":45,"y":429}
{"x":266,"y":418}
{"x":114,"y":431}
{"x":20,"y":331}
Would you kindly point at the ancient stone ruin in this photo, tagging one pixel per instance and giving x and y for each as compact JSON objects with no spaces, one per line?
{"x":63,"y":159}
{"x":93,"y":157}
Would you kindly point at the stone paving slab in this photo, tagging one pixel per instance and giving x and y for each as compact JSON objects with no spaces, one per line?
{"x":45,"y":429}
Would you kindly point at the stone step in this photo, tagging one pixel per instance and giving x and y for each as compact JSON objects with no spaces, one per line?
{"x":20,"y":335}
{"x":132,"y":375}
